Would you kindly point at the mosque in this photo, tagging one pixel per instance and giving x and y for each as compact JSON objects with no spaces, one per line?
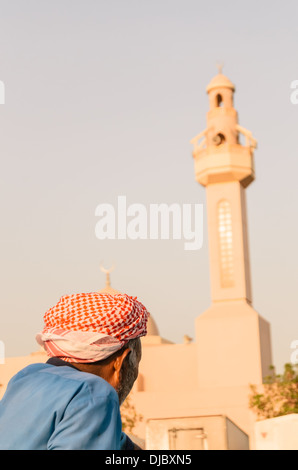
{"x":195,"y":395}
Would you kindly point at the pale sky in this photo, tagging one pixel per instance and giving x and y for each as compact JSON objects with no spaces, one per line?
{"x":102,"y":99}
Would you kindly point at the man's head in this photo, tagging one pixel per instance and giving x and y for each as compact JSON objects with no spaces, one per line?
{"x":129,"y":369}
{"x":98,"y":333}
{"x":120,"y":369}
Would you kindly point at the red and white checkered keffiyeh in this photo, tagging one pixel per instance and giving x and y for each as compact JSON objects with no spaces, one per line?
{"x":91,"y":327}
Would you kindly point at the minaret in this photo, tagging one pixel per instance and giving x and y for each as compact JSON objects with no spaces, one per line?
{"x":232,"y":338}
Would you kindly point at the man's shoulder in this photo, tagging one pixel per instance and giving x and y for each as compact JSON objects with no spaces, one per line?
{"x":71,"y":377}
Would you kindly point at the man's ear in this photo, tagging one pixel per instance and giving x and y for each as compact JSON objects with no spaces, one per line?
{"x":119,"y":360}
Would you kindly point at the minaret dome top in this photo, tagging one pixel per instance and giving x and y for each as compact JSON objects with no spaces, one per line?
{"x":220,"y":81}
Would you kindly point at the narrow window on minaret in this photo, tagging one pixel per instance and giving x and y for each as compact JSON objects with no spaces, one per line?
{"x":225,"y":244}
{"x":219,"y":101}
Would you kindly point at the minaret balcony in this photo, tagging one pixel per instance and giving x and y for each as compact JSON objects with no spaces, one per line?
{"x":222,"y":111}
{"x":224,"y":163}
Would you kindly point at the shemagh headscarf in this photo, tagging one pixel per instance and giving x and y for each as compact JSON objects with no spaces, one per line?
{"x":91,"y":327}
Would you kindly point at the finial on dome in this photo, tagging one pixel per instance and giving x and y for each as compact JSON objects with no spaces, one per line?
{"x":219,"y":66}
{"x":107,"y":272}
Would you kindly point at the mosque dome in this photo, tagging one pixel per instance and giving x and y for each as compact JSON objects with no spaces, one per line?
{"x":220,"y":81}
{"x":152,"y":329}
{"x":109,"y":290}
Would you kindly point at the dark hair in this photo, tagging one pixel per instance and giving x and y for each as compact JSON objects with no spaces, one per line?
{"x":133,"y":344}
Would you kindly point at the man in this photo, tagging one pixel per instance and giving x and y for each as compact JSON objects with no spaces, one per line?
{"x":72,"y":401}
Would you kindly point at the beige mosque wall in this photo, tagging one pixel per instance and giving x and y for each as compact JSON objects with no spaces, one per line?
{"x":227,"y":401}
{"x":265,"y":346}
{"x":168,"y":367}
{"x":168,"y":384}
{"x":13,"y":365}
{"x":230,"y":338}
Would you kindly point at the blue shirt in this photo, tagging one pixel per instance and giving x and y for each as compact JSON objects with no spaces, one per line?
{"x":49,"y":407}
